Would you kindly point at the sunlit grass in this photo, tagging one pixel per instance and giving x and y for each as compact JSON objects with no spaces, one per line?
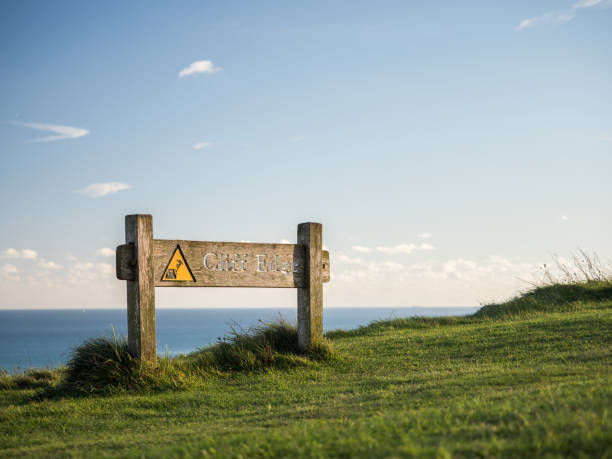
{"x":529,"y":377}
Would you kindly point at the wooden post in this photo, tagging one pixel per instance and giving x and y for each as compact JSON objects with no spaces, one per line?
{"x":310,"y":297}
{"x":141,"y":290}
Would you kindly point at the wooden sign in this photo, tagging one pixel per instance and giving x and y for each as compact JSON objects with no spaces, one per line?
{"x":231,"y":264}
{"x":147,"y":263}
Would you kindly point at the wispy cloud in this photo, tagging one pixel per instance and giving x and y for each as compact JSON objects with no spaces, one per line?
{"x":97,"y":190}
{"x":560,"y":17}
{"x":199,"y":67}
{"x":547,"y":18}
{"x":424,"y":235}
{"x":362,"y":249}
{"x":564,"y":218}
{"x":297,"y":138}
{"x":106,"y":252}
{"x":405,"y":248}
{"x":587,"y":3}
{"x":62,"y":132}
{"x":202,"y":145}
{"x":26,"y":254}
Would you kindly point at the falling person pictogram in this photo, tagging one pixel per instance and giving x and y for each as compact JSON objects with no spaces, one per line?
{"x":177,"y":269}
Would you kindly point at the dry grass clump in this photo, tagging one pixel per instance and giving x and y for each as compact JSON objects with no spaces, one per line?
{"x":582,"y":268}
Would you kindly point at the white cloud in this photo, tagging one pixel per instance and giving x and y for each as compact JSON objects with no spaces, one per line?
{"x":97,"y":190}
{"x":297,"y":138}
{"x":560,"y":17}
{"x":362,"y":249}
{"x":390,"y":266}
{"x":27,"y":254}
{"x":11,"y":253}
{"x":459,"y":266}
{"x":405,"y":248}
{"x":605,"y":138}
{"x":424,"y":235}
{"x":456,"y":281}
{"x":63,"y":132}
{"x":548,"y":18}
{"x":525,"y":23}
{"x":106,"y":252}
{"x":586,"y":3}
{"x":202,"y":145}
{"x":285,"y":241}
{"x":9,"y":272}
{"x":8,"y":269}
{"x":342,"y":258}
{"x":106,"y":269}
{"x":44,"y":264}
{"x":564,"y":218}
{"x":199,"y":67}
{"x":87,"y":271}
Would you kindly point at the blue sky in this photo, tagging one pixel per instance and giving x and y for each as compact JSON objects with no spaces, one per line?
{"x":448,"y":148}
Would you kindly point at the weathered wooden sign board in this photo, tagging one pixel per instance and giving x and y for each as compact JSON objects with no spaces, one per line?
{"x":147,"y":263}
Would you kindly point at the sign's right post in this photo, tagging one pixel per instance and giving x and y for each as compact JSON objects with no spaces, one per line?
{"x":310,"y":297}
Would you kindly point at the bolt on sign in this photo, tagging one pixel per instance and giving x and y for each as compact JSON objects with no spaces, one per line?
{"x":146,"y":263}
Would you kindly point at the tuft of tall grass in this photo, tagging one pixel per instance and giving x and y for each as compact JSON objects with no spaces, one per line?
{"x":102,"y":363}
{"x":105,"y":364}
{"x":264,"y":346}
{"x":564,"y":285}
{"x":581,"y":268}
{"x":549,"y":298}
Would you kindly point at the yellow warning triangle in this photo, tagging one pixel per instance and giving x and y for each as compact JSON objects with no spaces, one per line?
{"x":178,"y":269}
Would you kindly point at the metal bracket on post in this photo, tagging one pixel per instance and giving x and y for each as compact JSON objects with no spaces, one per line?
{"x":310,"y":297}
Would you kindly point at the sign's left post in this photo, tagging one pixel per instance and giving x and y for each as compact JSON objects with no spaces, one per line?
{"x":141,"y":288}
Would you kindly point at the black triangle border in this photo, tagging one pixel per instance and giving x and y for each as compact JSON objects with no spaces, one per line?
{"x":178,"y":247}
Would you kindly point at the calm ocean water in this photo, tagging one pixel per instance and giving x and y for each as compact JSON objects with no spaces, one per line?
{"x":44,"y":338}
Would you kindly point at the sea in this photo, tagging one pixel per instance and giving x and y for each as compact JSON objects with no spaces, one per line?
{"x":45,"y":338}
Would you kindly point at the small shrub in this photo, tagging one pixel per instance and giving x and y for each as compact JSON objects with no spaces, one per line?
{"x":268,"y":345}
{"x":103,"y":363}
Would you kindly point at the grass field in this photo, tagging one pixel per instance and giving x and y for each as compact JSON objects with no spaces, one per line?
{"x":530,"y":377}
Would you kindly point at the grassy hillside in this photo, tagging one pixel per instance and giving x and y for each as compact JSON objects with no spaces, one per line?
{"x":532,"y":376}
